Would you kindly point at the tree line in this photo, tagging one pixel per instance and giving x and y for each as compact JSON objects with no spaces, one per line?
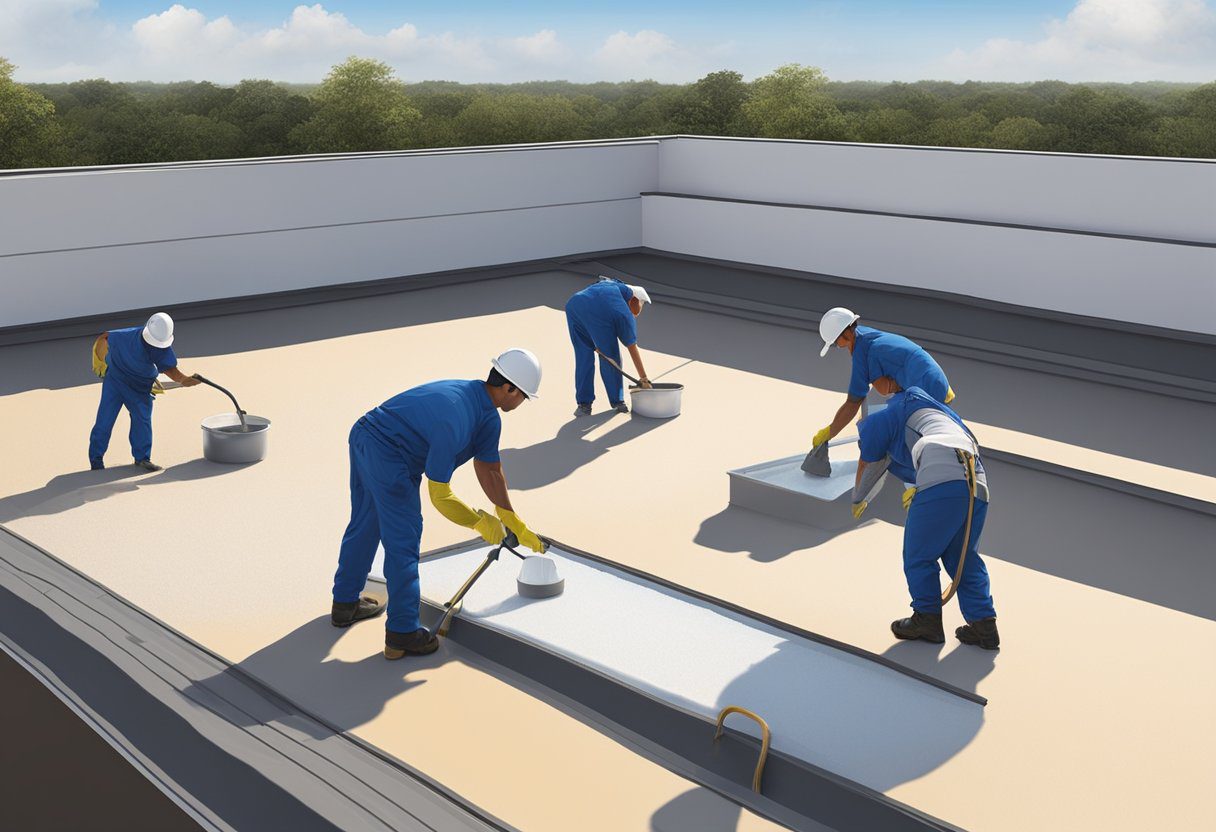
{"x":362,"y":106}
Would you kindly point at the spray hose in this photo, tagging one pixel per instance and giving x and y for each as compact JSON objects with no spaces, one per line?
{"x":968,"y":461}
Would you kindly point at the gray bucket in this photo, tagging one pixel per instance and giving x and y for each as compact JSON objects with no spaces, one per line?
{"x":225,"y":441}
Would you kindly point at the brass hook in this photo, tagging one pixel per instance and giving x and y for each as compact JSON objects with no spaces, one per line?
{"x":765,"y":736}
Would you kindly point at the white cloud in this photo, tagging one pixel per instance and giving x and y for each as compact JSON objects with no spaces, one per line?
{"x":58,"y":40}
{"x":1104,"y":40}
{"x":623,"y":50}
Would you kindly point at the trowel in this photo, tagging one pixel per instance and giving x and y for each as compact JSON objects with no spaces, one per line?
{"x":816,"y":462}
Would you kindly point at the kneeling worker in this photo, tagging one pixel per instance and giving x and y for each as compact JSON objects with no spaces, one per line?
{"x":128,"y":362}
{"x":924,"y":441}
{"x":431,"y":429}
{"x":601,"y":317}
{"x":876,"y":353}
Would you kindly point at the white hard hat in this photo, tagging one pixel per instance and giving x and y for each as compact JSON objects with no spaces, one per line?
{"x":158,"y":331}
{"x":641,"y":294}
{"x":521,"y":368}
{"x":832,"y":324}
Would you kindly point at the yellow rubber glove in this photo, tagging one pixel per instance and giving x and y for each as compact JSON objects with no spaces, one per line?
{"x":489,"y":528}
{"x":451,"y":507}
{"x":101,"y":348}
{"x":821,"y":436}
{"x":526,"y":536}
{"x":949,"y":395}
{"x":858,"y":508}
{"x":909,"y":493}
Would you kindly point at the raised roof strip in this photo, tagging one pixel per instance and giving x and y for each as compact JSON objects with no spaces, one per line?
{"x":650,"y":663}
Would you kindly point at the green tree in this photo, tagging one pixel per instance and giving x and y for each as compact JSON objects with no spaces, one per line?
{"x":516,"y":118}
{"x":884,"y":126}
{"x":972,"y":130}
{"x":713,"y":106}
{"x":29,"y":134}
{"x":1021,"y":133}
{"x":265,"y":113}
{"x":1103,"y":122}
{"x":360,"y":106}
{"x":790,"y":103}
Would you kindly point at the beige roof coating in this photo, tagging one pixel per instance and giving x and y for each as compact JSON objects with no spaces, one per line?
{"x":1100,"y":706}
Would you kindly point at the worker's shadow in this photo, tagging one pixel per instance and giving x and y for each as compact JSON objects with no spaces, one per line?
{"x":347,"y":693}
{"x":761,"y":537}
{"x":697,"y":809}
{"x":70,"y":491}
{"x":963,"y":666}
{"x":555,"y":459}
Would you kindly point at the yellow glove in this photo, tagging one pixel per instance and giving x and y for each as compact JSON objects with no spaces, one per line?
{"x":451,"y":507}
{"x":526,"y":536}
{"x":821,"y":437}
{"x":858,"y":508}
{"x":489,"y":528}
{"x":101,"y":348}
{"x":909,"y":493}
{"x":949,"y":395}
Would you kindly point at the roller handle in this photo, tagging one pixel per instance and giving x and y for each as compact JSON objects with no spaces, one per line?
{"x":619,"y":369}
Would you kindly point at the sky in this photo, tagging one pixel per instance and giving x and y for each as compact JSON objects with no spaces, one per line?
{"x":481,"y":41}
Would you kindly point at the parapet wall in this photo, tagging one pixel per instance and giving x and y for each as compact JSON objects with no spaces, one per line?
{"x":1121,"y":239}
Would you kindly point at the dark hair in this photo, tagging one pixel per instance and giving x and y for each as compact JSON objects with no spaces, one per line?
{"x":497,"y":379}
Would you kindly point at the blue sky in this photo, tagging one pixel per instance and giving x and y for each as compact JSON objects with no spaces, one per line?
{"x":225,"y":40}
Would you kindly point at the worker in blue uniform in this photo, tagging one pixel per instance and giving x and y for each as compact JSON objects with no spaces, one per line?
{"x":876,"y":353}
{"x":429,"y":430}
{"x":924,"y":442}
{"x":128,"y":362}
{"x":602,"y":317}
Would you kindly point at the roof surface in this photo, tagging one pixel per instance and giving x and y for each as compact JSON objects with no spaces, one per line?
{"x":1099,"y":711}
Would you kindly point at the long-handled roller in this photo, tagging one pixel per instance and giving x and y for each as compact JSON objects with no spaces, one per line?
{"x":538,"y":578}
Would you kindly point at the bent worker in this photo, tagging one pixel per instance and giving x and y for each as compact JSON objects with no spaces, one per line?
{"x":921,"y":440}
{"x":600,"y":318}
{"x":431,"y":429}
{"x":876,"y":353}
{"x":128,"y":362}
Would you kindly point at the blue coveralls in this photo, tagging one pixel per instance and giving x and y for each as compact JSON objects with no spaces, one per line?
{"x":132,"y":365}
{"x":938,"y":515}
{"x":433,"y":429}
{"x":877,"y":354}
{"x":599,"y":318}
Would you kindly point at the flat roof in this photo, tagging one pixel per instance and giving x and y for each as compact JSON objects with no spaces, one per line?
{"x":1099,"y":707}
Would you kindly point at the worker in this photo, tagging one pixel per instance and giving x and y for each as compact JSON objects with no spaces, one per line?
{"x":128,"y":362}
{"x":875,"y":353}
{"x":431,"y":429}
{"x":601,"y":317}
{"x":925,"y":442}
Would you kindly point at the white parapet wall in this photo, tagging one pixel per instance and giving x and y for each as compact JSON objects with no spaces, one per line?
{"x":88,"y":242}
{"x":94,"y":241}
{"x":940,"y":220}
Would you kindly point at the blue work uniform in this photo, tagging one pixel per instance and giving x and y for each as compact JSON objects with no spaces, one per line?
{"x":432,"y":429}
{"x":132,"y":365}
{"x":938,"y":514}
{"x":599,"y":318}
{"x":877,"y":354}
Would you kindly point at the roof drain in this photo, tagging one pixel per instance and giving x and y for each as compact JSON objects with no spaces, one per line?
{"x":765,"y":733}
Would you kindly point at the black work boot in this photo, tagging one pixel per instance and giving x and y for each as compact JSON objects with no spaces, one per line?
{"x":345,"y":613}
{"x":148,"y":465}
{"x":923,"y":625}
{"x":981,"y":633}
{"x":418,"y":643}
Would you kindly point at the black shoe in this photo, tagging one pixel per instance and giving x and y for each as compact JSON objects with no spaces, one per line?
{"x":621,"y":407}
{"x":345,"y":613}
{"x":418,"y":643}
{"x":923,"y":625}
{"x":981,"y":633}
{"x":148,"y":465}
{"x":96,"y":465}
{"x":583,"y":410}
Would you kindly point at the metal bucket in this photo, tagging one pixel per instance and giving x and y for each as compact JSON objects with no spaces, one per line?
{"x":659,"y":402}
{"x":225,"y":441}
